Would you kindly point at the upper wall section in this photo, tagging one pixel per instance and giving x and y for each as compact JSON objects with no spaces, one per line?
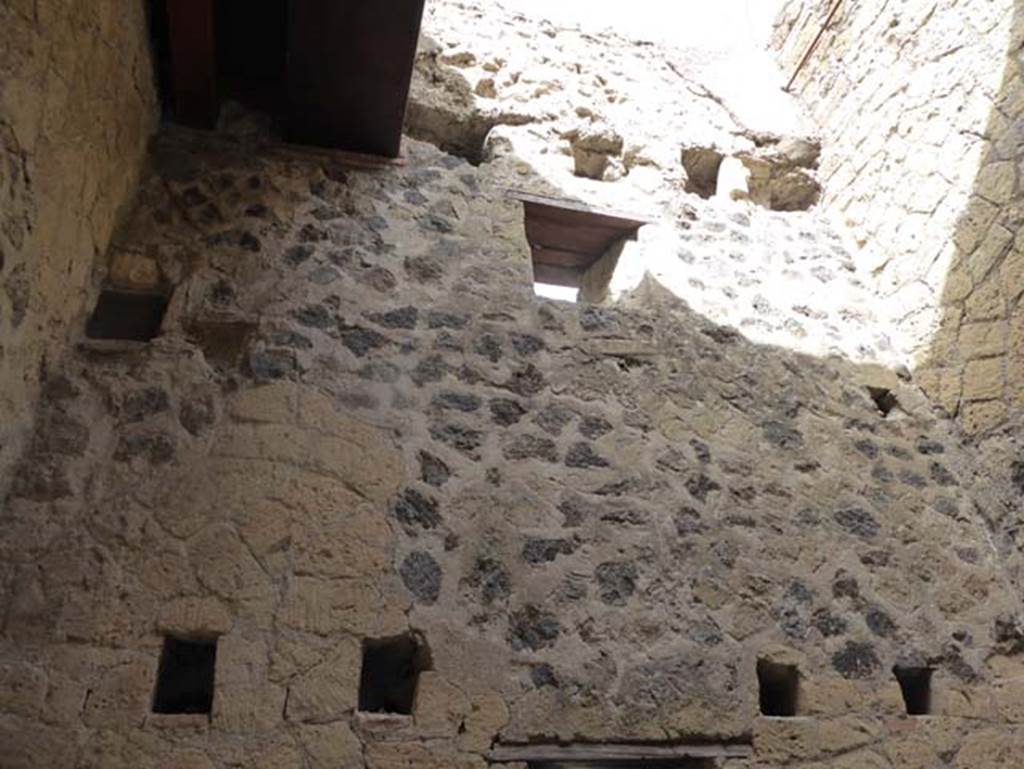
{"x":917,"y":103}
{"x":76,"y":108}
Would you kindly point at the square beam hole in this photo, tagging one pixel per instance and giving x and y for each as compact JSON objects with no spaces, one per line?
{"x":779,"y":689}
{"x":391,"y":670}
{"x":184,"y":682}
{"x":916,"y":685}
{"x":884,"y":399}
{"x":127,"y":315}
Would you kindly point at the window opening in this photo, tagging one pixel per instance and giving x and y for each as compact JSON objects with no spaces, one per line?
{"x":391,"y":670}
{"x":779,"y":689}
{"x":185,"y":677}
{"x":916,"y":686}
{"x":127,"y":315}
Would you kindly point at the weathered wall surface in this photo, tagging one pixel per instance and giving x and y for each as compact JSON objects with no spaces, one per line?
{"x":920,"y":107}
{"x":76,"y":109}
{"x":359,"y":422}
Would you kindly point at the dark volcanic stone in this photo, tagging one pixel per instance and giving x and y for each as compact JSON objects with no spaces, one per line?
{"x":867,"y":448}
{"x":700,"y":486}
{"x":143,"y":403}
{"x":616,"y":582}
{"x":575,"y":509}
{"x":594,"y":427}
{"x":701,"y":451}
{"x":1017,"y":475}
{"x":912,"y":479}
{"x":506,"y":412}
{"x":828,"y":624}
{"x":269,"y":365}
{"x":489,"y":346}
{"x":526,"y":381}
{"x":531,"y":447}
{"x":64,"y":435}
{"x":856,"y":660}
{"x":532,"y":628}
{"x":157,"y":449}
{"x":543,"y":675}
{"x":597,"y":319}
{"x":404,"y":317}
{"x":538,"y":551}
{"x":296,"y":255}
{"x":197,"y":414}
{"x":879,"y":622}
{"x":417,"y":510}
{"x":526,"y":344}
{"x":429,"y":370}
{"x":285,"y":338}
{"x":553,"y":418}
{"x":361,"y":341}
{"x":492,"y":579}
{"x":314,"y":316}
{"x":421,"y":575}
{"x":929,"y":447}
{"x":845,"y":586}
{"x":41,"y":478}
{"x":457,"y":402}
{"x":583,"y":456}
{"x":782,"y":435}
{"x":857,"y":521}
{"x":446,"y":320}
{"x":458,"y":437}
{"x":433,"y":470}
{"x":941,"y":475}
{"x":424,"y":269}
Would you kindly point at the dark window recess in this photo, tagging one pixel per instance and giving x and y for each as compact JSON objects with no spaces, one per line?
{"x":566,"y":239}
{"x":884,"y":400}
{"x":916,"y":685}
{"x":127,"y":315}
{"x":184,"y":681}
{"x":391,"y":670}
{"x":779,"y":688}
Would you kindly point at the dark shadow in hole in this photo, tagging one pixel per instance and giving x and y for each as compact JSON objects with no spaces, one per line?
{"x":779,"y":688}
{"x":126,"y":315}
{"x":884,"y":399}
{"x":916,"y":686}
{"x":390,"y":673}
{"x":185,"y":678}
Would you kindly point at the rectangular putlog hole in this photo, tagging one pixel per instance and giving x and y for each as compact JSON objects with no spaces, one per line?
{"x":127,"y":315}
{"x":779,"y":688}
{"x":916,"y":686}
{"x":390,"y":673}
{"x":185,"y":678}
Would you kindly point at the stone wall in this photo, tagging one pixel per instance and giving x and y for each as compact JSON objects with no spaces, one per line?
{"x":359,"y":422}
{"x":919,"y":107}
{"x":76,"y":108}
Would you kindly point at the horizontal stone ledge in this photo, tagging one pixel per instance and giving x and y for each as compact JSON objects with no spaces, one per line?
{"x":615,"y":752}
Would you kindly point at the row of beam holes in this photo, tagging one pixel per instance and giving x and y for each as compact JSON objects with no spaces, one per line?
{"x":387,"y":682}
{"x":391,"y":669}
{"x":780,"y":689}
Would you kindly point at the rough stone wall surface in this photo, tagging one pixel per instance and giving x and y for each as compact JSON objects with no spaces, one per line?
{"x":358,"y":421}
{"x":919,"y":105}
{"x":602,"y":119}
{"x":76,"y":108}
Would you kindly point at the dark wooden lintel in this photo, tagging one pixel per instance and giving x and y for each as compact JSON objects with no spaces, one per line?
{"x":193,"y":61}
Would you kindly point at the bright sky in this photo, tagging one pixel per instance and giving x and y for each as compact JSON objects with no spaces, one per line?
{"x":716,"y":24}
